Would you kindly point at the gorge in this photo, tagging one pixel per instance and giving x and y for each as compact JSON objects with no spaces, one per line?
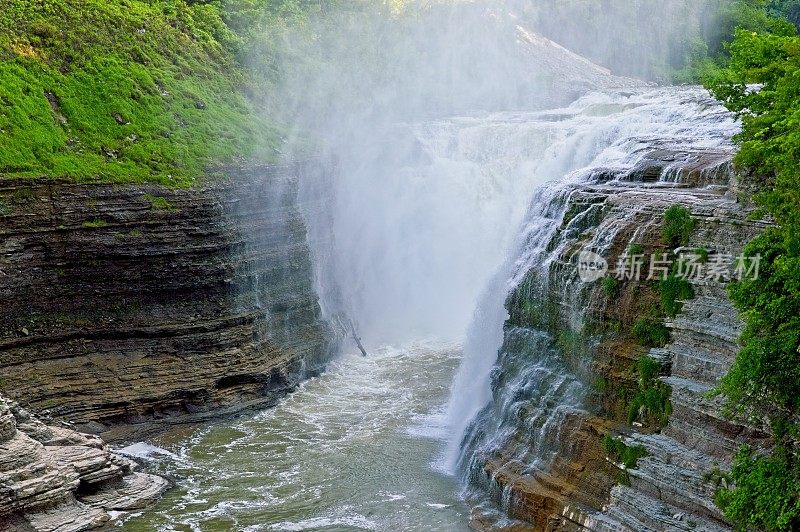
{"x":465,"y":197}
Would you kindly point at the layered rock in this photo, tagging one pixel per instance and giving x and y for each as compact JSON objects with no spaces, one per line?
{"x":125,"y":304}
{"x":565,"y":479}
{"x":55,"y":479}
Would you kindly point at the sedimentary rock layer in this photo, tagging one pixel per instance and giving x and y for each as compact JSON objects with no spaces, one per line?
{"x":56,"y":479}
{"x":128,"y":303}
{"x":555,"y":473}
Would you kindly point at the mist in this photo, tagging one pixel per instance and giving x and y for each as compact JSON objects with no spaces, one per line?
{"x":409,"y":109}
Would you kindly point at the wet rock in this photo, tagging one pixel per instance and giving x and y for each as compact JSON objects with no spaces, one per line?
{"x":565,"y":482}
{"x":137,"y":314}
{"x":42,"y":486}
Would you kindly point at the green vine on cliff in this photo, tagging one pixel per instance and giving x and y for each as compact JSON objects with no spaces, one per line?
{"x":651,"y":404}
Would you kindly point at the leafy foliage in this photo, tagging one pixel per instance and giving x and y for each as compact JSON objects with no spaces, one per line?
{"x":651,"y":403}
{"x":619,"y":451}
{"x":674,"y":290}
{"x":650,"y":332}
{"x":678,"y":225}
{"x":762,"y":85}
{"x":767,"y":492}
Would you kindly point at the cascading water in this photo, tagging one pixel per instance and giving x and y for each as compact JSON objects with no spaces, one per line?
{"x":428,"y":237}
{"x":513,"y":382}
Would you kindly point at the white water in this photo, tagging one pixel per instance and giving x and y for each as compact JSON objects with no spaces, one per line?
{"x":604,"y":133}
{"x":426,"y":238}
{"x":434,"y":223}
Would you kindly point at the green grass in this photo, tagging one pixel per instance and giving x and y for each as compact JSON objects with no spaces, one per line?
{"x":123,"y":91}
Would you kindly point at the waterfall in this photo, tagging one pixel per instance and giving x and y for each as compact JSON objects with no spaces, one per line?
{"x":513,"y":381}
{"x":442,"y":193}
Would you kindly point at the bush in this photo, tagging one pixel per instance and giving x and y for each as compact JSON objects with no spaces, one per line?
{"x":651,"y":403}
{"x":618,"y":451}
{"x":635,"y":249}
{"x":764,"y":382}
{"x":702,"y":255}
{"x":674,"y":290}
{"x":650,"y":332}
{"x":610,"y":287}
{"x":766,"y":492}
{"x":678,"y":226}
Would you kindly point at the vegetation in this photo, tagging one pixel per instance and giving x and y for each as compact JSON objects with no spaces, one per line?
{"x":702,"y":255}
{"x":674,"y":290}
{"x":635,"y":249}
{"x":709,"y":50}
{"x":650,"y":332}
{"x":765,"y":493}
{"x":131,"y":90}
{"x":617,"y":450}
{"x":678,"y":225}
{"x":610,"y":286}
{"x":96,"y":223}
{"x":764,"y":382}
{"x":159,"y":203}
{"x":651,"y":403}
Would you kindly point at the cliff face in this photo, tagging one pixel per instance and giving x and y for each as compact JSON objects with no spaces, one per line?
{"x":56,"y":479}
{"x":124,"y":304}
{"x":567,"y":373}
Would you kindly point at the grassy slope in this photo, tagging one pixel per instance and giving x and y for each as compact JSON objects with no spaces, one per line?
{"x":123,"y":91}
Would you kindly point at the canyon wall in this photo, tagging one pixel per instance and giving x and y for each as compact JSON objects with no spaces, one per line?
{"x":567,"y":373}
{"x":125,"y":304}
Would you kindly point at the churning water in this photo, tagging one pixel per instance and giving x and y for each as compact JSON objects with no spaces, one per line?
{"x":350,"y":450}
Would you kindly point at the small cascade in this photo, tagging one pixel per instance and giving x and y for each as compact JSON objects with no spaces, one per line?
{"x":525,"y":377}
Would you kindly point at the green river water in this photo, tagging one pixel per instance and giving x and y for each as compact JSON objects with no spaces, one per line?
{"x":354,"y":449}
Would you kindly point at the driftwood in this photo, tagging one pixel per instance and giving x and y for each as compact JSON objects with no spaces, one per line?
{"x":348,"y":328}
{"x":356,"y":338}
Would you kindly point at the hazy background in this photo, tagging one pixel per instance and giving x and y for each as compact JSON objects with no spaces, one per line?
{"x":425,"y":184}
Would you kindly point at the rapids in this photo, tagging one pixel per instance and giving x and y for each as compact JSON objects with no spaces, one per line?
{"x":350,"y":450}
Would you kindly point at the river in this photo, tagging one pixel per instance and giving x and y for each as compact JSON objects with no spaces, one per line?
{"x":355,"y":449}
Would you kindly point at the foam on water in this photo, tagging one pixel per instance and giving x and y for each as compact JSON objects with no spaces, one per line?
{"x":349,"y":449}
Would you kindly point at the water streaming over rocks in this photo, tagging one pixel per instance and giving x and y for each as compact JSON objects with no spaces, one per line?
{"x":604,"y":138}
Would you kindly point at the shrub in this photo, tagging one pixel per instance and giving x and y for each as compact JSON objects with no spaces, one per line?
{"x":617,"y":450}
{"x":651,"y":403}
{"x":702,"y":255}
{"x":635,"y":249}
{"x":650,"y":332}
{"x":764,"y":382}
{"x":678,"y":225}
{"x":766,"y":492}
{"x":610,"y":286}
{"x":674,"y":290}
